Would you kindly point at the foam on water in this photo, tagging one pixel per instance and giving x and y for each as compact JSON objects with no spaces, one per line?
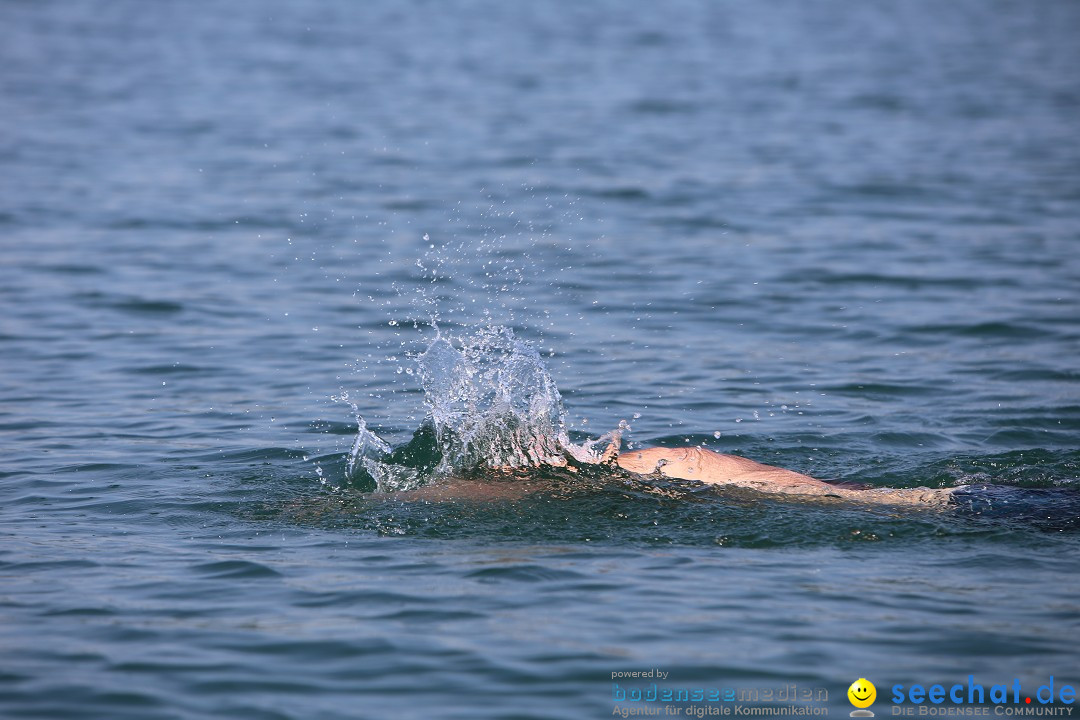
{"x":491,"y":403}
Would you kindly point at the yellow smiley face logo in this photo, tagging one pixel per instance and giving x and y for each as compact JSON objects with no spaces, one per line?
{"x":862,"y":693}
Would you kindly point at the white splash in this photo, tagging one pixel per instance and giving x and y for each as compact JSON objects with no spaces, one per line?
{"x":491,"y":404}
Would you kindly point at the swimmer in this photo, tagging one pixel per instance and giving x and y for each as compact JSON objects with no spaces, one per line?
{"x":685,"y":463}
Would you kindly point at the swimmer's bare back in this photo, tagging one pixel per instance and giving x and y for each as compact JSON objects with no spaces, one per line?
{"x":694,"y":463}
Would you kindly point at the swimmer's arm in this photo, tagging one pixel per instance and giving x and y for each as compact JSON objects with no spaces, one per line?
{"x":716,"y":469}
{"x":709,"y":467}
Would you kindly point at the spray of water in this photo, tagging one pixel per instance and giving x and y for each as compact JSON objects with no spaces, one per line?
{"x":491,"y":403}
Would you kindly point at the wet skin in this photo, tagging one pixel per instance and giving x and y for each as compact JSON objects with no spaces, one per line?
{"x":695,"y":463}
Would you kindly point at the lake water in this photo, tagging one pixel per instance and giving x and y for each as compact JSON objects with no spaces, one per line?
{"x":839,"y":238}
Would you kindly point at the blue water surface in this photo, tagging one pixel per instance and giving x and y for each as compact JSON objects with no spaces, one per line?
{"x":836,"y":237}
